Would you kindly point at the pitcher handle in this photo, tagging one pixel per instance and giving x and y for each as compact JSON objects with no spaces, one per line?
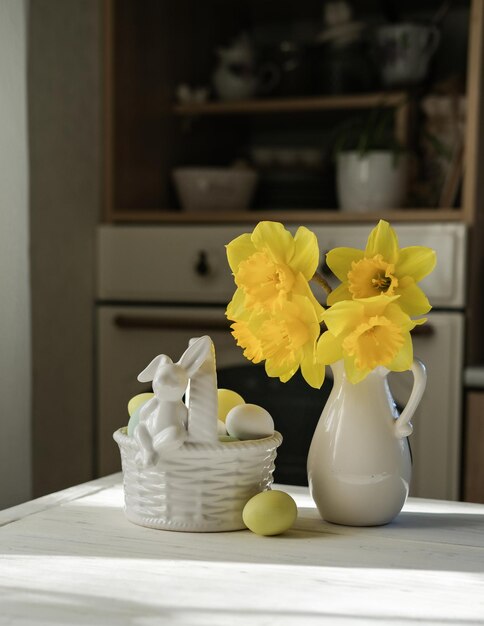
{"x":403,"y":427}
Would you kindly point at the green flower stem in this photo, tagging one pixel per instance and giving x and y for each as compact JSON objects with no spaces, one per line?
{"x":322,"y":282}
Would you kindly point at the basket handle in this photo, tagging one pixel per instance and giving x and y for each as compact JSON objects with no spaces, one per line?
{"x":201,"y":399}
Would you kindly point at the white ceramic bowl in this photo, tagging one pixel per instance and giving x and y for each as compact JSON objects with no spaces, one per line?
{"x":214,"y":189}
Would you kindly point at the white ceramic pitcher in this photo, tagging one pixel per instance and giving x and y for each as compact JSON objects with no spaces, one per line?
{"x":359,"y":464}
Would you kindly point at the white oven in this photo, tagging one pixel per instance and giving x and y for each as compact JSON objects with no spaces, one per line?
{"x":160,"y":285}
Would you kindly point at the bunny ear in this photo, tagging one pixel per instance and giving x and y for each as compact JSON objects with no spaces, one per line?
{"x":195,"y":354}
{"x":149,"y":372}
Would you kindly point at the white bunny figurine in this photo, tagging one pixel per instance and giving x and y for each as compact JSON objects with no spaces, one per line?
{"x":163,"y":419}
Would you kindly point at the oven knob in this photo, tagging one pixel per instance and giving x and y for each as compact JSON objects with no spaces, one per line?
{"x":202,"y":266}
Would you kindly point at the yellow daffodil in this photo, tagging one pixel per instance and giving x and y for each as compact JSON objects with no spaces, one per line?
{"x":270,"y":266}
{"x":382,"y":268}
{"x":285,"y":339}
{"x":367,"y":333}
{"x":276,"y":317}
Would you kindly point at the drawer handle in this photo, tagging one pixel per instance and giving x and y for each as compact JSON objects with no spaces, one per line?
{"x":146,"y":322}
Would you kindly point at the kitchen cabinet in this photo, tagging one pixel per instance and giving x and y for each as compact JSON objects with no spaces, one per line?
{"x":152,"y":47}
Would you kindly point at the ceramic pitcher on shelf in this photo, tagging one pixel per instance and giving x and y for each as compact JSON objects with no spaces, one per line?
{"x":359,"y":464}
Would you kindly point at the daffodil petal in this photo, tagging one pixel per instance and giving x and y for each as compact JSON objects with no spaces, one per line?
{"x":339,"y":261}
{"x":312,"y":370}
{"x":403,"y":360}
{"x":343,"y":316}
{"x":416,"y":261}
{"x":339,"y":294}
{"x":274,"y":239}
{"x":412,"y":299}
{"x":376,"y":305}
{"x":398,"y":317}
{"x":281,"y":371}
{"x":306,"y":253}
{"x":236,"y":308}
{"x":302,"y":288}
{"x":419,"y":322}
{"x":354,"y":374}
{"x":238,"y":250}
{"x":383,"y":240}
{"x":329,"y":348}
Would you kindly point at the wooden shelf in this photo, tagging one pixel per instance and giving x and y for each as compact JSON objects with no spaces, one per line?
{"x":287,"y":105}
{"x":287,"y":216}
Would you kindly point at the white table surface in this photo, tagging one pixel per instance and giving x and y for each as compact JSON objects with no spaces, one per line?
{"x":73,"y":558}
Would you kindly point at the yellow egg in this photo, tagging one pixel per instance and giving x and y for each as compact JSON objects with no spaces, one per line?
{"x":270,"y":513}
{"x":227,"y":399}
{"x":138,"y":400}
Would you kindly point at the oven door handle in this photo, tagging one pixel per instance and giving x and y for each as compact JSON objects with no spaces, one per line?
{"x":148,"y":322}
{"x":427,"y":330}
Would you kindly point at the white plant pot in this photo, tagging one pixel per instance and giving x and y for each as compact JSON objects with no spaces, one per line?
{"x":373,"y":182}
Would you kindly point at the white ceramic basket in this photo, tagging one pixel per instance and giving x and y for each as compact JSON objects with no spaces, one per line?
{"x":201,"y":487}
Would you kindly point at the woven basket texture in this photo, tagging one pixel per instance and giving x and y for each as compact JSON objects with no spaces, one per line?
{"x":199,"y":487}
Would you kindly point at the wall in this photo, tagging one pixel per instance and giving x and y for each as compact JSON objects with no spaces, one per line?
{"x":65,"y":123}
{"x":14,"y":264}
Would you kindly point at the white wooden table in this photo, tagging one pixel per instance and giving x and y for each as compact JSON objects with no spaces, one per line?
{"x":73,"y":558}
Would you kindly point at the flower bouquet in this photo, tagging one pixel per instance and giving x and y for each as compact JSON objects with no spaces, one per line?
{"x":277,"y":319}
{"x":362,"y":331}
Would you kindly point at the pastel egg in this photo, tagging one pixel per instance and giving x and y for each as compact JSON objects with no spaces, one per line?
{"x":227,"y":399}
{"x":138,"y":400}
{"x":249,"y":421}
{"x":134,"y":421}
{"x":270,"y":513}
{"x":134,"y":416}
{"x":221,"y":428}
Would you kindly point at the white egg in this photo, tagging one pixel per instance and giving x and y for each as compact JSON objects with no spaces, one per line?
{"x":249,"y":421}
{"x":221,"y":428}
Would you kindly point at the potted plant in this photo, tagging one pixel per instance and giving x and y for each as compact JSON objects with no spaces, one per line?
{"x":371,"y":165}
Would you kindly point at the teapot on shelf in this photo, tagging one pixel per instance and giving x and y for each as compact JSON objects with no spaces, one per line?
{"x":237,"y":77}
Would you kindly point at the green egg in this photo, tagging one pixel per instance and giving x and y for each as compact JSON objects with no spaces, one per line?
{"x":134,"y":421}
{"x":270,"y":513}
{"x":227,"y":438}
